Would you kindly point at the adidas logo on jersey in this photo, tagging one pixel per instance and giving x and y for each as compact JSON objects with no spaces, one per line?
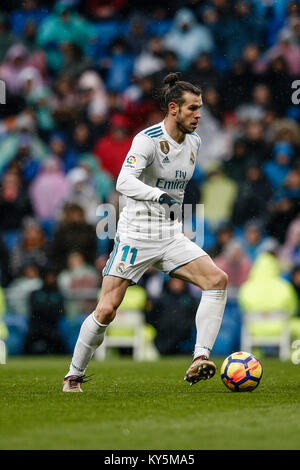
{"x":166,"y":160}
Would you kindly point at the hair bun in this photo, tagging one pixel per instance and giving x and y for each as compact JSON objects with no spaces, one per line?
{"x":171,"y":79}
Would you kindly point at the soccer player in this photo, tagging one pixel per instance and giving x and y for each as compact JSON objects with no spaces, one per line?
{"x":153,"y":178}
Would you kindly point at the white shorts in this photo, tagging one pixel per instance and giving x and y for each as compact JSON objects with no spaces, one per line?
{"x":130,"y":258}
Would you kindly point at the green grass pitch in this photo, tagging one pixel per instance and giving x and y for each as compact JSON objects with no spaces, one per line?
{"x":147,"y":406}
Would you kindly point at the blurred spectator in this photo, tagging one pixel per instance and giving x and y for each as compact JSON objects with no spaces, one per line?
{"x":153,"y":282}
{"x":137,"y":34}
{"x":235,"y":263}
{"x":289,"y":253}
{"x":210,"y":17}
{"x":235,"y":167}
{"x":291,"y":186}
{"x":160,"y":22}
{"x":252,"y":197}
{"x":170,"y":65}
{"x":29,"y":36}
{"x":274,"y":15}
{"x":212,"y":100}
{"x":224,"y":236}
{"x":252,"y":239}
{"x":79,"y":284}
{"x":217,"y":138}
{"x":7,"y":37}
{"x":257,"y":148}
{"x":29,"y":142}
{"x":150,"y":60}
{"x":64,"y":103}
{"x":73,"y":233}
{"x":40,"y":99}
{"x":59,"y":149}
{"x":250,"y":58}
{"x":141,"y":106}
{"x":5,"y":275}
{"x":218,"y":203}
{"x":93,"y":96}
{"x":74,"y":62}
{"x":119,"y":66}
{"x":278,"y":80}
{"x":82,"y":138}
{"x":29,"y":10}
{"x":262,"y":97}
{"x":202,"y":72}
{"x":14,"y":202}
{"x":63,"y":25}
{"x":293,"y":27}
{"x":16,"y":60}
{"x":188,"y":38}
{"x":79,"y":277}
{"x":281,"y":212}
{"x":24,"y":161}
{"x":32,"y":248}
{"x":286,"y":130}
{"x":265,"y":291}
{"x":83,"y":192}
{"x":112,"y":149}
{"x":240,"y":29}
{"x":46,"y":309}
{"x":105,"y":9}
{"x":3,"y":327}
{"x":108,"y":25}
{"x":102,"y":181}
{"x":173,"y":317}
{"x":237,"y":85}
{"x":286,"y":49}
{"x":21,"y":287}
{"x":277,"y":169}
{"x":49,"y":190}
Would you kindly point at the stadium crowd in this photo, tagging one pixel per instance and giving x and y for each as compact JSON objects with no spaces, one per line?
{"x":82,"y":78}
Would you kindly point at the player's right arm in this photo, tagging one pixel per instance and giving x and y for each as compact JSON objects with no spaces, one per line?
{"x":140,"y":156}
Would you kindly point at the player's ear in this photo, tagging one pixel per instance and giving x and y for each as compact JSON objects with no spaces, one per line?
{"x":173,"y":108}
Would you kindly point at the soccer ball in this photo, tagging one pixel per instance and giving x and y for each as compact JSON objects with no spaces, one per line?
{"x":241,"y":372}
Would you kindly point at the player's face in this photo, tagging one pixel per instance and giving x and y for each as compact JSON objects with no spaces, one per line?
{"x":188,"y":114}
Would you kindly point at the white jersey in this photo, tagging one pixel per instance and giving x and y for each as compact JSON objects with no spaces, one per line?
{"x":155,"y":164}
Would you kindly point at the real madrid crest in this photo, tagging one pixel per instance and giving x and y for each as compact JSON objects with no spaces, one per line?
{"x":192,"y":158}
{"x":164,"y":146}
{"x":121,"y":268}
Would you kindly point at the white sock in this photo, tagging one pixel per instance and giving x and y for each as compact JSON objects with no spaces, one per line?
{"x":208,"y":320}
{"x":90,"y":337}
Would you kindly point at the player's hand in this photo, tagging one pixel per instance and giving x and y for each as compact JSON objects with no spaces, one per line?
{"x":173,"y":206}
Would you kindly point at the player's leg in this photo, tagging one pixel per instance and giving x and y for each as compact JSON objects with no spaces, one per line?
{"x":92,"y":330}
{"x":213,"y":281}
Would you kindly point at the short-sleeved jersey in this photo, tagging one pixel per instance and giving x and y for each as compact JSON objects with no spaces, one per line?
{"x":155,"y":164}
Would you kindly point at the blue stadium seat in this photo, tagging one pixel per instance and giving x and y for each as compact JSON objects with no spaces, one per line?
{"x":69,"y":330}
{"x":229,"y":337}
{"x":17,"y":329}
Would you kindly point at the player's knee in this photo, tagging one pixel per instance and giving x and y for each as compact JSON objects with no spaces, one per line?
{"x":218,"y":280}
{"x":105,"y":313}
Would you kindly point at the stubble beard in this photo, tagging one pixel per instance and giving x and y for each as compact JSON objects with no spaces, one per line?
{"x":181,"y":126}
